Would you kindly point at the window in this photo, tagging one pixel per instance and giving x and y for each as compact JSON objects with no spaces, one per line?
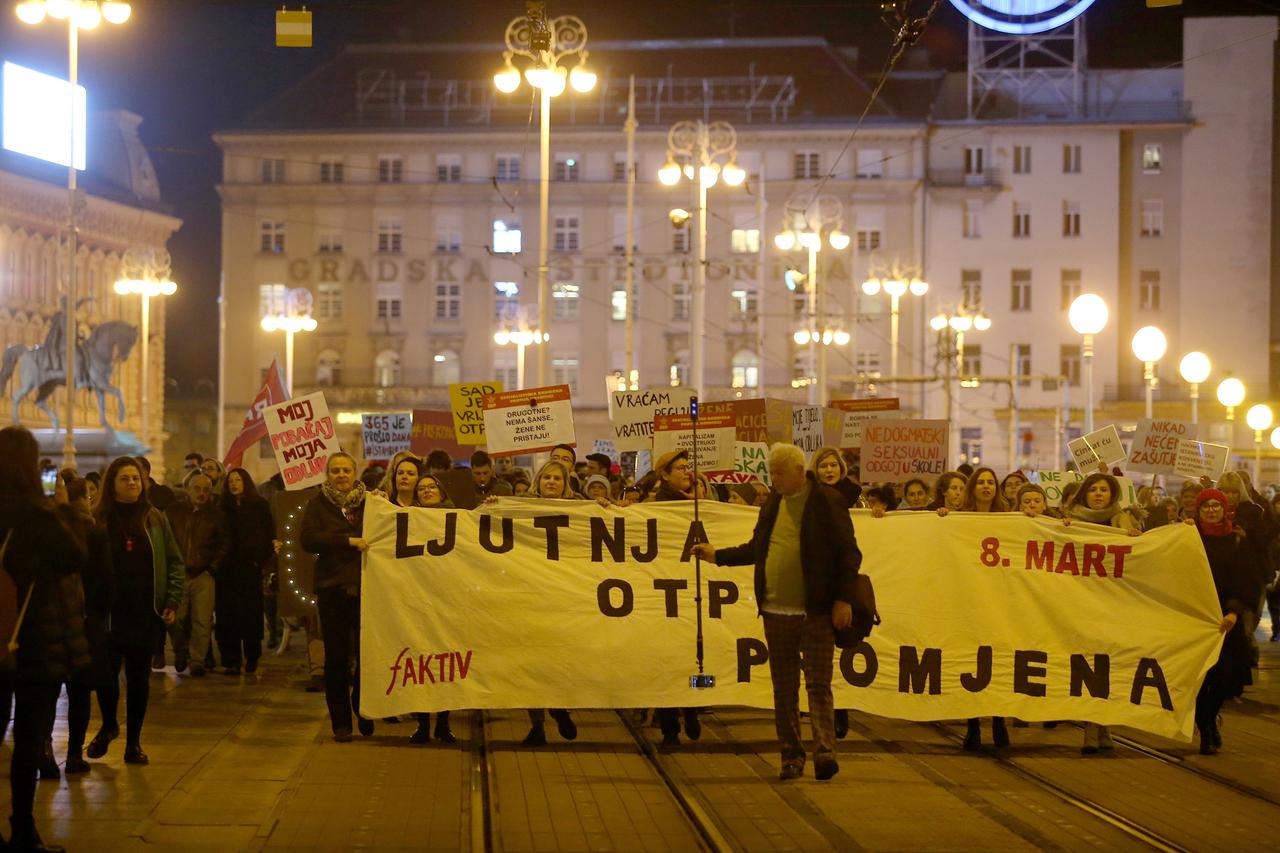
{"x":564,"y":301}
{"x":1069,"y":363}
{"x":331,"y":171}
{"x":1070,"y":219}
{"x":679,"y":300}
{"x":448,"y":301}
{"x":868,"y":239}
{"x":506,"y":302}
{"x":972,"y":227}
{"x":271,"y":236}
{"x":620,"y":167}
{"x":1152,"y":217}
{"x":564,"y":371}
{"x":971,"y":445}
{"x":1149,"y":290}
{"x":329,"y":301}
{"x":273,"y":300}
{"x":975,"y":160}
{"x":971,"y":362}
{"x":745,"y":370}
{"x":1152,"y":158}
{"x":1022,"y":362}
{"x":448,"y":233}
{"x":329,"y":242}
{"x":507,"y":168}
{"x":678,"y":372}
{"x":506,"y":237}
{"x":328,"y":368}
{"x":802,"y":366}
{"x":568,"y":168}
{"x":449,"y":168}
{"x":869,"y":225}
{"x":618,"y":303}
{"x":446,"y":368}
{"x":870,"y":163}
{"x":800,"y":305}
{"x":1021,"y":300}
{"x":743,"y":303}
{"x":744,"y":240}
{"x":566,"y":234}
{"x":806,"y":164}
{"x":1070,"y":287}
{"x":867,"y":361}
{"x":386,"y":369}
{"x":390,"y":169}
{"x":390,"y":235}
{"x":680,"y":239}
{"x":1071,"y":159}
{"x":273,"y":170}
{"x":1022,"y":159}
{"x":387,"y":308}
{"x":506,"y":372}
{"x":1021,"y":219}
{"x":970,"y":289}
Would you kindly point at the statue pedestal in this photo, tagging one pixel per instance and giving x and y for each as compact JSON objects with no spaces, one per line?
{"x":95,"y":448}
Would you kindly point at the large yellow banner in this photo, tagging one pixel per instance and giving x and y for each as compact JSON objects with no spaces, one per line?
{"x":566,"y":604}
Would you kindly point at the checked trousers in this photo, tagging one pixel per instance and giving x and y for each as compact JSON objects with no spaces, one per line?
{"x":801,"y":644}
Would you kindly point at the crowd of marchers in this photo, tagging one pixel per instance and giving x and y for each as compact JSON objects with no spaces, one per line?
{"x":114,"y":566}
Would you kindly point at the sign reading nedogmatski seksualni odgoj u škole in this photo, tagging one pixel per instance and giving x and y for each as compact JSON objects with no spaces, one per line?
{"x":1021,"y":17}
{"x":565,"y":604}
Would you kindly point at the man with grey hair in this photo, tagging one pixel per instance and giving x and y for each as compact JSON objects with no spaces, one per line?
{"x":806,"y":564}
{"x":201,"y":531}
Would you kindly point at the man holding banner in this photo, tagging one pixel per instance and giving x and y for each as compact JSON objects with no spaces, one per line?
{"x":806,"y":565}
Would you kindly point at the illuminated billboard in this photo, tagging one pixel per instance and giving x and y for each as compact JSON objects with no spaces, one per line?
{"x":1021,"y":17}
{"x":38,"y":116}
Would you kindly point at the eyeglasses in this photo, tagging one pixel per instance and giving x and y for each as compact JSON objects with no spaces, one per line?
{"x":678,"y":468}
{"x":1211,"y":505}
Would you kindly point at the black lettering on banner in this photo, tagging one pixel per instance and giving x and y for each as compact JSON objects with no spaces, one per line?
{"x":604,"y":597}
{"x":650,"y":552}
{"x":751,"y":652}
{"x":696,"y":535}
{"x":1025,"y":669}
{"x":722,"y":593}
{"x":978,"y":680}
{"x":669,"y":587}
{"x":868,"y":674}
{"x":403,"y":549}
{"x":600,"y":539}
{"x":440,"y":547}
{"x":486,"y":535}
{"x":916,"y":672}
{"x":1096,"y":679}
{"x":551,"y":524}
{"x":1149,"y":674}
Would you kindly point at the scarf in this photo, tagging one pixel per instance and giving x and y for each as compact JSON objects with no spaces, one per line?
{"x":1221,"y":528}
{"x":348,"y":503}
{"x":1096,"y":516}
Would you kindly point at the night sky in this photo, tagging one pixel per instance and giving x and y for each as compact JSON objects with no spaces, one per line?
{"x":192,"y":67}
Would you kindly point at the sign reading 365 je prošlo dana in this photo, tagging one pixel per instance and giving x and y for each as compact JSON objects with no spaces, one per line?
{"x":530,"y":421}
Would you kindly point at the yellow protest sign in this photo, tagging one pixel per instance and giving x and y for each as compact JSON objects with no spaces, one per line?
{"x":293,"y":29}
{"x":468,"y":414}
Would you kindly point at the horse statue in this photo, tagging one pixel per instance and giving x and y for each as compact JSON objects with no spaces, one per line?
{"x":96,"y":357}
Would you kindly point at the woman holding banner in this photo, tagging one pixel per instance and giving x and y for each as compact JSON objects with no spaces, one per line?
{"x":400,"y":484}
{"x":948,"y":492}
{"x":429,"y":492}
{"x":1009,"y":486}
{"x":829,"y":467}
{"x":332,"y":528}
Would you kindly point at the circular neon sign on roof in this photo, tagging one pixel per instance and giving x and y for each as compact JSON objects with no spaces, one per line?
{"x":1021,"y":17}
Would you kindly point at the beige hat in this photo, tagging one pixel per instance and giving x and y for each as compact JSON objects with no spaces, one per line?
{"x":666,"y":460}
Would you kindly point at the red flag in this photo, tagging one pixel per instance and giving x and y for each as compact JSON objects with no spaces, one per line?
{"x":255,"y":427}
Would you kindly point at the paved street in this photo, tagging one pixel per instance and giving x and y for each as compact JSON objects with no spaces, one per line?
{"x":245,"y":764}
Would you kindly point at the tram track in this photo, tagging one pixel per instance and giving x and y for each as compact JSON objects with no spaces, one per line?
{"x":482,"y":803}
{"x":1204,"y":773}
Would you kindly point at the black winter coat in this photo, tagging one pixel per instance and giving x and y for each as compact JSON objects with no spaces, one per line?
{"x":325,"y":532}
{"x":829,"y":552}
{"x":1232,"y":560}
{"x":252,"y":530}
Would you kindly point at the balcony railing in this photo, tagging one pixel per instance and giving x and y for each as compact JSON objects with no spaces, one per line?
{"x":963,"y":178}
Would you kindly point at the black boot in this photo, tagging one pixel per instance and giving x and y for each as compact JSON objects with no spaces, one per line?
{"x":26,"y":838}
{"x":75,"y":763}
{"x":692,"y":725}
{"x":842,"y":723}
{"x":973,"y":736}
{"x":48,"y":764}
{"x":999,"y":734}
{"x":565,"y":725}
{"x":443,"y":733}
{"x":537,"y":736}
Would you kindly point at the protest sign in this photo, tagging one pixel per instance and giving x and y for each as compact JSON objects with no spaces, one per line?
{"x":383,"y":435}
{"x":894,"y":451}
{"x":1198,"y":459}
{"x":1098,"y":447}
{"x":518,"y":606}
{"x":529,"y":421}
{"x":1053,"y":483}
{"x":433,"y":430}
{"x":644,"y":463}
{"x":631,"y":413}
{"x":806,"y":428}
{"x":608,"y":448}
{"x":750,"y":462}
{"x":468,"y":413}
{"x":302,"y":436}
{"x":766,"y":420}
{"x":1154,"y":448}
{"x":715,"y":439}
{"x":844,"y":426}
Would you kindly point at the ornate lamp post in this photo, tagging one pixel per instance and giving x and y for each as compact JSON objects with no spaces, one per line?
{"x":1088,"y":316}
{"x":146,"y":272}
{"x":1149,"y":345}
{"x":545,"y":43}
{"x":1259,"y":418}
{"x":1194,"y":368}
{"x":294,"y":317}
{"x":956,"y":326}
{"x":895,"y":280}
{"x":1230,"y":395}
{"x":520,"y":337}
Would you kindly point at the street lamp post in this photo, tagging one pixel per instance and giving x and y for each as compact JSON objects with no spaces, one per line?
{"x":1088,"y":316}
{"x":545,"y":43}
{"x":956,"y":325}
{"x":1194,"y":368}
{"x":146,"y":272}
{"x":1149,"y":345}
{"x":294,"y":317}
{"x":701,"y":146}
{"x":520,"y":337}
{"x":1259,"y":418}
{"x":896,"y":281}
{"x":1230,"y":395}
{"x":79,"y":15}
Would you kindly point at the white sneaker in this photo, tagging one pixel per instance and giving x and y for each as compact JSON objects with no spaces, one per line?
{"x":1104,"y":738}
{"x":1090,"y":739}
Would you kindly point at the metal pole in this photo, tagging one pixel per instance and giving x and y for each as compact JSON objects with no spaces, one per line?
{"x":519,"y":366}
{"x":70,"y":326}
{"x":761,"y":284}
{"x":698,"y":319}
{"x":544,"y":217}
{"x":1013,"y":415}
{"x":1087,"y":355}
{"x":1149,"y":379}
{"x":288,"y":360}
{"x":1195,"y":403}
{"x":950,"y":392}
{"x":146,"y":372}
{"x":959,"y":372}
{"x":630,"y":128}
{"x":811,"y":282}
{"x":893,"y":340}
{"x":222,"y":362}
{"x":1257,"y":456}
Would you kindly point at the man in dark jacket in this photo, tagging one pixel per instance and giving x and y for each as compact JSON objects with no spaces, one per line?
{"x":201,"y":531}
{"x":482,"y":473}
{"x":806,"y":565}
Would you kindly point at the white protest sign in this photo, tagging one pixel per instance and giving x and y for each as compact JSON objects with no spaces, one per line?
{"x":750,"y":462}
{"x":715,"y":439}
{"x":529,"y":421}
{"x":894,"y":451}
{"x":631,"y":413}
{"x":302,"y":436}
{"x":1198,"y":459}
{"x":385,"y":435}
{"x":1053,"y":482}
{"x":806,"y":428}
{"x":644,"y":462}
{"x":608,"y":448}
{"x":1155,"y":445}
{"x":846,"y":433}
{"x":1099,"y":446}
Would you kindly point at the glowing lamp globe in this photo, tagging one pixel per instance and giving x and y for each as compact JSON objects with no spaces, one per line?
{"x":1149,"y":344}
{"x":507,"y":80}
{"x":871,"y":286}
{"x":582,"y":79}
{"x":30,"y":11}
{"x":810,"y":240}
{"x":786,"y":241}
{"x":1088,"y":314}
{"x":838,"y":240}
{"x":669,"y":174}
{"x":1275,"y":438}
{"x":1231,"y":392}
{"x":938,"y":323}
{"x":1259,"y":417}
{"x":919,"y":287}
{"x":982,"y":322}
{"x":1194,"y":367}
{"x":733,"y":174}
{"x":895,"y":286}
{"x":116,"y":13}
